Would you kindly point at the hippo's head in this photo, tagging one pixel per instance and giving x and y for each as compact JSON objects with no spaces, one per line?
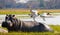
{"x":9,"y":23}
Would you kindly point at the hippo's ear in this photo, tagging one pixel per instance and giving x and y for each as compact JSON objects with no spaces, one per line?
{"x":13,"y":15}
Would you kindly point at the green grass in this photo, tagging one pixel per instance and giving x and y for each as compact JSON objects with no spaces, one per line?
{"x":55,"y":28}
{"x":31,"y":33}
{"x":26,"y":11}
{"x":14,"y":11}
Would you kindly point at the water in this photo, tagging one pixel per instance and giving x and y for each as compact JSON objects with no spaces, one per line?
{"x":55,"y":20}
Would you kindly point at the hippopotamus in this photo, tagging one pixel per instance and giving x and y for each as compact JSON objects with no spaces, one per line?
{"x":25,"y":26}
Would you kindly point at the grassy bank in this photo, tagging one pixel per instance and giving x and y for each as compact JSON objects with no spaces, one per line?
{"x":14,"y":11}
{"x":25,"y":11}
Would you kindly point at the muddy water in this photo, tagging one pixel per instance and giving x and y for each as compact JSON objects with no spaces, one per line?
{"x":55,"y":20}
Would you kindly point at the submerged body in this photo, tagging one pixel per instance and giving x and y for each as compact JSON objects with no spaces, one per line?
{"x":28,"y":26}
